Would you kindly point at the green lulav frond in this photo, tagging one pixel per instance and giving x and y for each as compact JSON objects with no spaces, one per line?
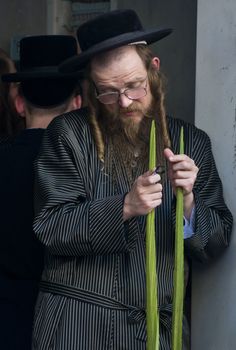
{"x":152,"y":314}
{"x":177,"y":318}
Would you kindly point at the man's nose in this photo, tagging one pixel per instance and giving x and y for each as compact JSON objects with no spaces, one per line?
{"x":124,"y":101}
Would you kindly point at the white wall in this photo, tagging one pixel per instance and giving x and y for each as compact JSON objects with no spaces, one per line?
{"x":214,"y":287}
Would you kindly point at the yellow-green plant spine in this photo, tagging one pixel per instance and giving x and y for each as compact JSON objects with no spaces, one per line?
{"x":178,"y":298}
{"x":152,"y":315}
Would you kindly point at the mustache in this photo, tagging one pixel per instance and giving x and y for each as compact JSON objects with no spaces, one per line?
{"x":130,"y":109}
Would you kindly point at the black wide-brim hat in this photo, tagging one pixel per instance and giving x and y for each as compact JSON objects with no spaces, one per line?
{"x":40,"y":57}
{"x":41,"y":82}
{"x":109,"y":31}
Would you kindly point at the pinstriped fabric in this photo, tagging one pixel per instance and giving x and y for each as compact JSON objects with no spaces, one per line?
{"x":79,"y":210}
{"x":83,"y":334}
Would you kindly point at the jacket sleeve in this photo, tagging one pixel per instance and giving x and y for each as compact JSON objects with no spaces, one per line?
{"x":213,"y":220}
{"x":68,"y":221}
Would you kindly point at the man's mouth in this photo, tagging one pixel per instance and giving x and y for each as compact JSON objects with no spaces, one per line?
{"x":129,"y":112}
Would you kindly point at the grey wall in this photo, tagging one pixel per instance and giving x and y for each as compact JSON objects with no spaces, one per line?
{"x":21,"y":17}
{"x":214,"y":286}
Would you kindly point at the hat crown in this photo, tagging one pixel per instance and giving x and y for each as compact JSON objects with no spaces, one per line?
{"x":107,"y":32}
{"x":107,"y":26}
{"x":41,"y":83}
{"x":45,"y":51}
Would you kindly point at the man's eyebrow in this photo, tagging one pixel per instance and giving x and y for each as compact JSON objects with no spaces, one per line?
{"x":138,"y":80}
{"x":113,"y":87}
{"x":106,"y":87}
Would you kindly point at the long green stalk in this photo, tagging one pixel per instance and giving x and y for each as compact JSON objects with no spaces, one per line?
{"x":152,"y":315}
{"x":177,"y":318}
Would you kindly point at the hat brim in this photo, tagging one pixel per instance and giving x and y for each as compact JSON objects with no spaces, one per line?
{"x":78,"y":62}
{"x":40,"y":73}
{"x":48,"y":93}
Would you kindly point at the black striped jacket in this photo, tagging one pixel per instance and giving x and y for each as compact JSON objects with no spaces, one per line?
{"x":93,"y":285}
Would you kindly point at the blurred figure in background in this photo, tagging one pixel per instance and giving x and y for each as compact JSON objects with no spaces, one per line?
{"x":43,"y":94}
{"x":10,"y":121}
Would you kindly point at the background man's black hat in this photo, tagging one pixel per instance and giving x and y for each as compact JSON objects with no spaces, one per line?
{"x":41,"y":82}
{"x":41,"y":55}
{"x":109,"y":31}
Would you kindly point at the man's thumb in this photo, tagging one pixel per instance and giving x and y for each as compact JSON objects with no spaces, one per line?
{"x":168,"y":153}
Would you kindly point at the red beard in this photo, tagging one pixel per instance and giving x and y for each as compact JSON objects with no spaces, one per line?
{"x":117,"y":123}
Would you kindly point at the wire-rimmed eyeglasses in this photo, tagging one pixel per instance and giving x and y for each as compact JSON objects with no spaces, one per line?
{"x":131,"y":93}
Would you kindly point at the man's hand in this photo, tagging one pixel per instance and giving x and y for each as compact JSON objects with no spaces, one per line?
{"x":145,"y":194}
{"x":182,"y":172}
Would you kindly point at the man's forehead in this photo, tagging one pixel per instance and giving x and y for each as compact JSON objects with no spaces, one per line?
{"x":128,"y":67}
{"x":116,"y":57}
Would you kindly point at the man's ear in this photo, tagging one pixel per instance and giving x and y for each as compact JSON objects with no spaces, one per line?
{"x":20,"y":105}
{"x":156,"y":62}
{"x":77,"y":102}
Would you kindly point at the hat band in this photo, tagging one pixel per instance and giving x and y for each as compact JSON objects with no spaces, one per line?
{"x":138,"y":43}
{"x":39,"y":69}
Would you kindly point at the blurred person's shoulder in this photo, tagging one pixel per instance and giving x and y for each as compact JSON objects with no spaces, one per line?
{"x":5,"y":141}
